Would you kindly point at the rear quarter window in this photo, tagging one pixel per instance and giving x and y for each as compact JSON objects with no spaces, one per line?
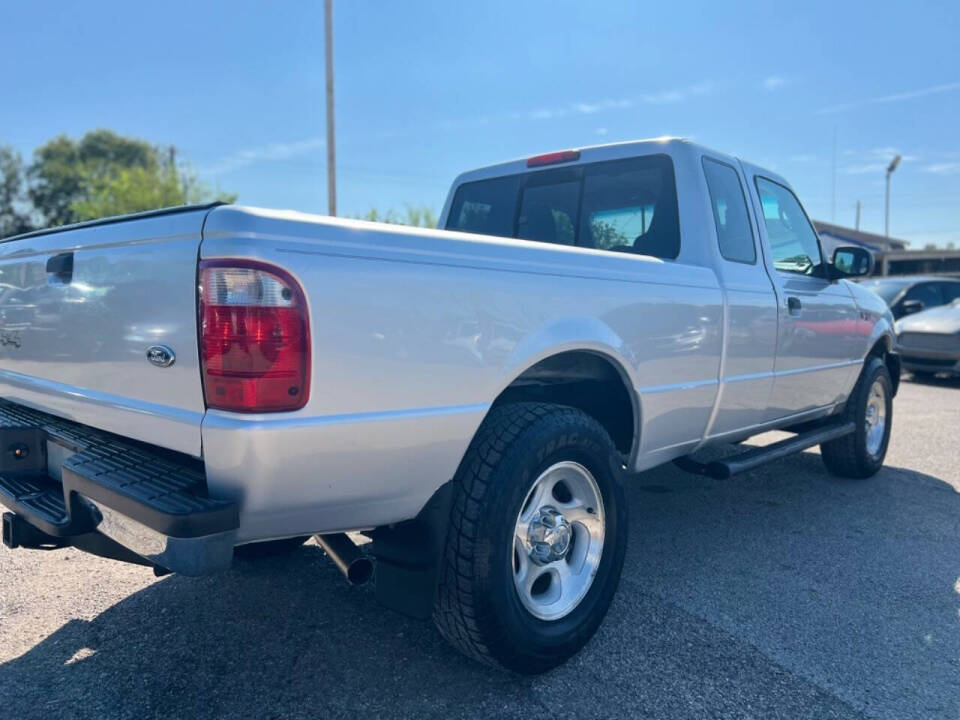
{"x":730,"y":215}
{"x":486,"y":207}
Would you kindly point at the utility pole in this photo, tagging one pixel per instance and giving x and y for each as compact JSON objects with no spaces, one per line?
{"x":833,"y":194}
{"x":890,"y":169}
{"x":857,"y":226}
{"x":331,"y":151}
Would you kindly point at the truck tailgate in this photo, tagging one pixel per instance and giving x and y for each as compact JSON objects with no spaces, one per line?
{"x":79,"y":310}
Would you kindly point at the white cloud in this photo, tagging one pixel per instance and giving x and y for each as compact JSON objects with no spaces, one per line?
{"x":601,"y":131}
{"x":677,"y":94}
{"x":875,"y":160}
{"x":864,"y":168}
{"x":773,"y":82}
{"x":590,"y":108}
{"x":896,"y":97}
{"x":662,"y":97}
{"x":943,"y":168}
{"x":273,"y":151}
{"x":887,"y":151}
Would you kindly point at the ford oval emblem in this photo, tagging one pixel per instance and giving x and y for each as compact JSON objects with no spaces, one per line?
{"x":160,"y":355}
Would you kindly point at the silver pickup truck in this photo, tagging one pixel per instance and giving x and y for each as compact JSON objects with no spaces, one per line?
{"x":184,"y":385}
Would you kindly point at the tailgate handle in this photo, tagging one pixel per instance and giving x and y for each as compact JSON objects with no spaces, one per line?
{"x":61,"y":267}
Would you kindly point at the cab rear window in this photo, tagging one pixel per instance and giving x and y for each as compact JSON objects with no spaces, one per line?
{"x":619,"y":205}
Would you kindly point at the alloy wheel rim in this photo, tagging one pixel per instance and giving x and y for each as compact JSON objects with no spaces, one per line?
{"x":875,"y":420}
{"x":558,"y":541}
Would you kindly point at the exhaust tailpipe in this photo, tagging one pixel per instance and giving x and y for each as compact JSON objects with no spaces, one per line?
{"x":356,"y":567}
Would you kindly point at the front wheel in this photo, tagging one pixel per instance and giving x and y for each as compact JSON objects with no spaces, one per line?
{"x":861,"y":453}
{"x":536,"y":541}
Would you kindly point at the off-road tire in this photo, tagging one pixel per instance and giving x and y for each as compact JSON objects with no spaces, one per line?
{"x":477,"y":607}
{"x":848,"y":456}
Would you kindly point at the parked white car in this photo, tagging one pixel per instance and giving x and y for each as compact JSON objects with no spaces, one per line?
{"x":473,"y":399}
{"x":929,"y":341}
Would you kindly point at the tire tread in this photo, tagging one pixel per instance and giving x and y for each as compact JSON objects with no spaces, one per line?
{"x":844,"y":456}
{"x":456,"y":613}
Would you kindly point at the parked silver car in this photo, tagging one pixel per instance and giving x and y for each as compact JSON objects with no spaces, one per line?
{"x":911,"y":294}
{"x":930,"y":340}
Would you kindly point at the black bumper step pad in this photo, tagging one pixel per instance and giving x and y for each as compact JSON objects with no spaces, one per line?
{"x":37,"y":497}
{"x":162,"y":490}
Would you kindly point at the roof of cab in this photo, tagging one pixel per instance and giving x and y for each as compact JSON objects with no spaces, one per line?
{"x":609,"y":151}
{"x":589,"y":153}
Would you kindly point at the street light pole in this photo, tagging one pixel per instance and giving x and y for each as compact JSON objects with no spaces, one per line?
{"x":331,"y":152}
{"x":890,"y":169}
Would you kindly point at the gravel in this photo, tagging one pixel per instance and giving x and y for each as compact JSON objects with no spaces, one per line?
{"x":781,"y":593}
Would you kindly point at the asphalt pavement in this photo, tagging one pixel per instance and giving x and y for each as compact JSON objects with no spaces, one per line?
{"x":781,"y":593}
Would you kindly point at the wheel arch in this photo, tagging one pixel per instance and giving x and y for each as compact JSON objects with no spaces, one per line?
{"x":590,"y":378}
{"x":884,"y":348}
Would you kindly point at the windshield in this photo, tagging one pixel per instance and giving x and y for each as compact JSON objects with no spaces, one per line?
{"x":887,"y":289}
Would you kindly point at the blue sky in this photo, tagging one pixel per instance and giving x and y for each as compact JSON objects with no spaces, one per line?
{"x":428,"y":89}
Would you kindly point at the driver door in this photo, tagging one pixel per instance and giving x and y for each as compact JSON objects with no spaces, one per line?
{"x":818,"y":350}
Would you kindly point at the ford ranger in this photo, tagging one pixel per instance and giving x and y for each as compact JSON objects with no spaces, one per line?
{"x":183,"y":385}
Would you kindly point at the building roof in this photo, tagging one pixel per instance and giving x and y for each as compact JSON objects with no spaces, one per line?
{"x":843,"y":235}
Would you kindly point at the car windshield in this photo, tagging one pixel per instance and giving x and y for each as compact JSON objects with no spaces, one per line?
{"x":887,"y":289}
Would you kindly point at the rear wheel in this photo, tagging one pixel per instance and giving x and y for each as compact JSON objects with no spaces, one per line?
{"x":536,"y":540}
{"x":861,"y":453}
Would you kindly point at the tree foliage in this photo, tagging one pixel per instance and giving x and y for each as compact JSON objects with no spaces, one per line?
{"x":606,"y":235}
{"x":14,"y":216}
{"x":99,"y":175}
{"x":415,"y":215}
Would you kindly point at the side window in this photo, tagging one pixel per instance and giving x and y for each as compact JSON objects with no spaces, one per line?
{"x":631,"y":206}
{"x":548,"y":209}
{"x":730,"y":212}
{"x":486,"y":207}
{"x":793,"y":241}
{"x":927,"y":293}
{"x":951,"y":292}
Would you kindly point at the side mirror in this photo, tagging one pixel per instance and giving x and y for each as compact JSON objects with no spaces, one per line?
{"x":909,"y":307}
{"x":850,"y":262}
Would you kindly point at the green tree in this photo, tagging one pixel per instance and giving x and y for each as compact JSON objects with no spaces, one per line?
{"x":14,"y":205}
{"x":136,"y":189}
{"x":127,"y":190}
{"x":607,"y":235}
{"x":65,"y":171}
{"x":415,"y":215}
{"x":105,"y":174}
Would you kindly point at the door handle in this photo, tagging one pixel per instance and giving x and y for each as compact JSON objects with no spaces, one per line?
{"x":794,"y":305}
{"x":61,"y":267}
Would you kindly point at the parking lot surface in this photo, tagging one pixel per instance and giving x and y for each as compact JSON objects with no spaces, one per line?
{"x":784,"y":592}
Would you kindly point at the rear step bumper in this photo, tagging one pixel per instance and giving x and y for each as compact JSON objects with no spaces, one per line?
{"x":70,"y":481}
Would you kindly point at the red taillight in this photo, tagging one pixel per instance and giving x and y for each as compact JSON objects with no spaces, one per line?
{"x":553,"y":158}
{"x":254,"y":337}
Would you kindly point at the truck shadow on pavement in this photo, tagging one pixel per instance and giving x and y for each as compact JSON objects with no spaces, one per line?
{"x":783,"y":593}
